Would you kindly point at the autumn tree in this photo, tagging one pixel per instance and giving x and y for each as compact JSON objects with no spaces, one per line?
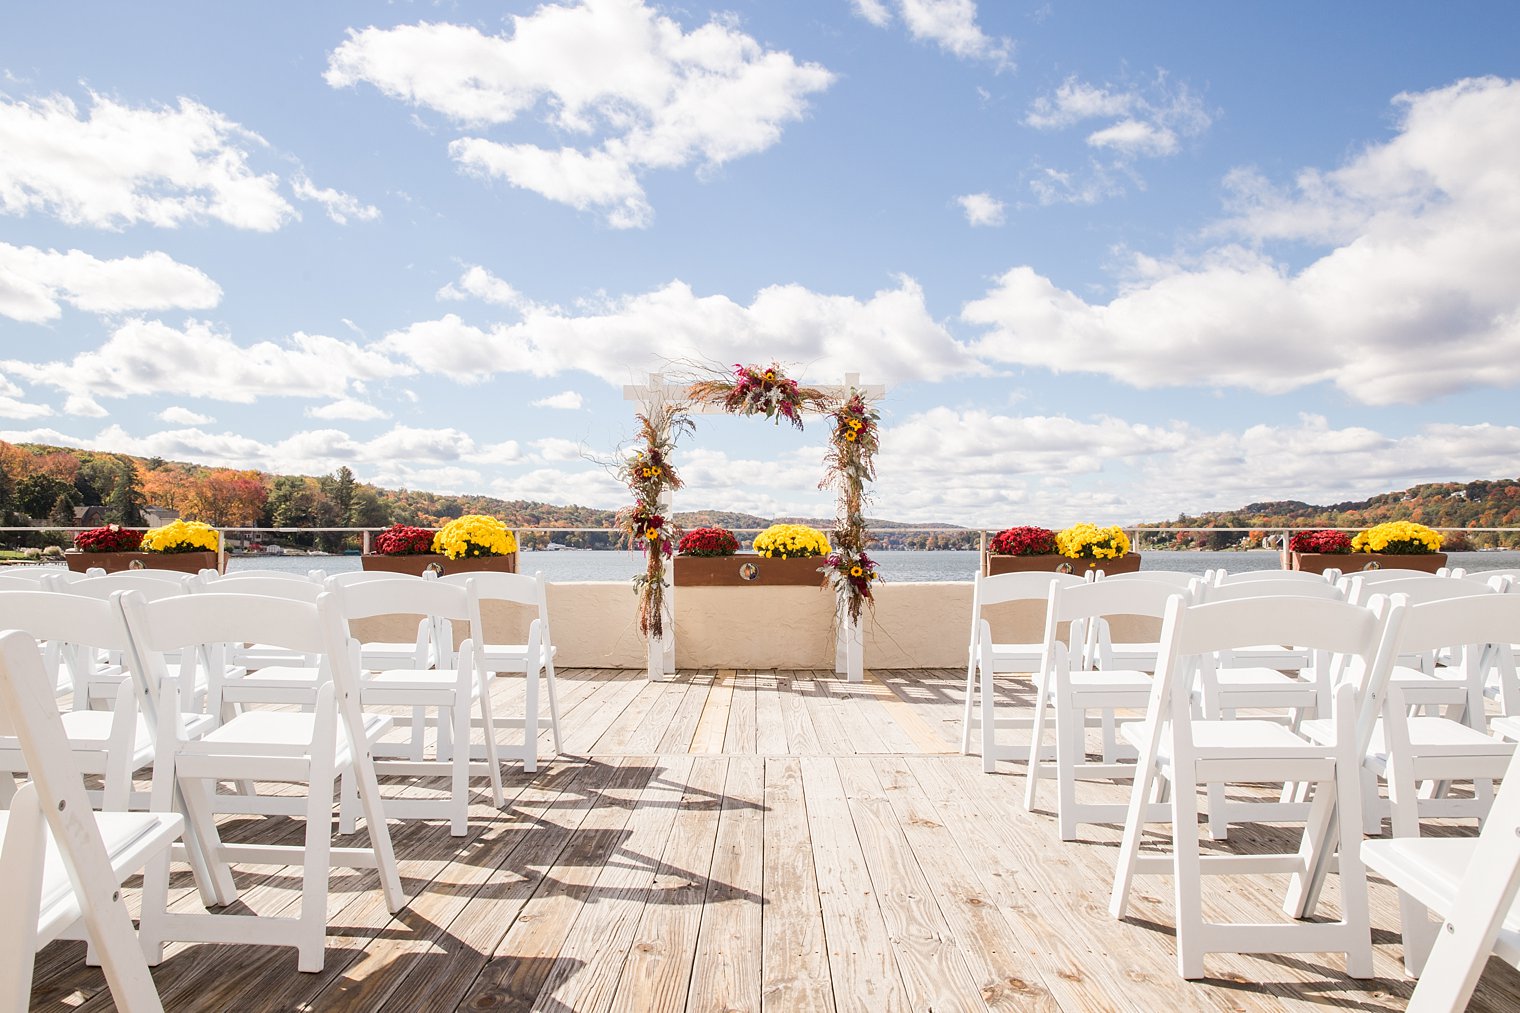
{"x":226,"y":497}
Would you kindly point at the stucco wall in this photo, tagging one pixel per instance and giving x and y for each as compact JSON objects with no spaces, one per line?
{"x":913,"y":626}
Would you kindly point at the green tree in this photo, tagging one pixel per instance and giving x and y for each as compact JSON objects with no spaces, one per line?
{"x":38,"y":493}
{"x":124,"y":504}
{"x":62,"y":511}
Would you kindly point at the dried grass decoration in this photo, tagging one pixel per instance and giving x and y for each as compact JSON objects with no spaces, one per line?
{"x":648,"y":473}
{"x":756,"y":391}
{"x":849,"y":464}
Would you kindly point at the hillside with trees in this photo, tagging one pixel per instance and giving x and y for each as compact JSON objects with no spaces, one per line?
{"x":44,"y":486}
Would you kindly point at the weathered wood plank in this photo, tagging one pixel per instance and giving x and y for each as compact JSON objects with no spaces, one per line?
{"x":740,"y":737}
{"x":794,"y":958}
{"x":524,"y":957}
{"x":726,"y":972}
{"x":931,"y":966}
{"x":862,"y":969}
{"x":801,"y":738}
{"x":677,"y":735}
{"x":657,"y":972}
{"x":770,"y":728}
{"x":712,"y":727}
{"x":590,"y":960}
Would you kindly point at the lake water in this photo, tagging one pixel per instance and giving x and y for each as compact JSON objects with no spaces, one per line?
{"x":912,"y":565}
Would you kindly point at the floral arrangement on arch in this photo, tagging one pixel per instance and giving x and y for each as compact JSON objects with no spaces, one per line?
{"x":714,"y":541}
{"x":1404,"y":538}
{"x":791,"y":541}
{"x":1088,"y":541}
{"x":111,"y":538}
{"x":403,"y":540}
{"x":1023,"y":541}
{"x":181,"y":536}
{"x":649,"y":475}
{"x":854,"y":571}
{"x":474,"y":535}
{"x":849,"y":466}
{"x":754,"y":390}
{"x":1322,"y":540}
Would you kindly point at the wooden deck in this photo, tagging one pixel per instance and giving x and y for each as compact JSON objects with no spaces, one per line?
{"x":744,"y":841}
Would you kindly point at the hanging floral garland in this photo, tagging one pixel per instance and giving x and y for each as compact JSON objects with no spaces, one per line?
{"x":648,"y":473}
{"x":753,"y":390}
{"x":849,"y":465}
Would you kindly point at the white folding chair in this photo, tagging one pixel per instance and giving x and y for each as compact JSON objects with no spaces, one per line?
{"x":378,"y":655}
{"x":1185,"y":752}
{"x":236,"y":576}
{"x":455,"y":693}
{"x":316,"y":749}
{"x":1179,"y":579}
{"x":261,"y":657}
{"x":1471,"y":885}
{"x":1072,"y":692}
{"x":61,"y":865}
{"x":113,"y":743}
{"x":532,"y":658}
{"x":986,"y":658}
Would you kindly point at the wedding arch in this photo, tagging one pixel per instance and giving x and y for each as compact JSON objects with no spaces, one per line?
{"x":667,"y":402}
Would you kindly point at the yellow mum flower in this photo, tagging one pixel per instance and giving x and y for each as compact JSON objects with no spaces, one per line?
{"x":474,"y":535}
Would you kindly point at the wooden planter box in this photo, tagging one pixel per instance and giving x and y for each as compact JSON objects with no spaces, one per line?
{"x":993,"y":565}
{"x":1351,"y":562}
{"x":414,"y":565}
{"x":111,"y":562}
{"x":728,"y":571}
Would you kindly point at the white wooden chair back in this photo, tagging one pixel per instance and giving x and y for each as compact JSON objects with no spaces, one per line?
{"x":299,"y":589}
{"x":364,"y":576}
{"x":17,"y":582}
{"x":1419,"y":588}
{"x":151,"y":584}
{"x":1174,"y":578}
{"x":1193,"y":636}
{"x":39,"y":906}
{"x":441,"y":604}
{"x":261,"y":574}
{"x":1223,"y":577}
{"x":1314,"y":588}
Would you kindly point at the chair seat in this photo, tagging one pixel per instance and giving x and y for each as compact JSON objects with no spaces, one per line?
{"x":259,"y":729}
{"x":432,"y":679}
{"x":1234,"y":740}
{"x":1257,"y":677}
{"x":1427,"y":735}
{"x":1430,"y":869}
{"x":278,"y":675}
{"x":128,"y":837}
{"x":1111,"y":680}
{"x":1506,"y":727}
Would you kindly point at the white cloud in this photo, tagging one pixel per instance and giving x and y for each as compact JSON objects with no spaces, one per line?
{"x":568,"y":400}
{"x":120,"y":166}
{"x":874,"y":11}
{"x":645,"y":94}
{"x":12,"y":407}
{"x":479,"y":283}
{"x":34,"y":283}
{"x":889,"y":337}
{"x":1074,"y":101}
{"x":181,"y":416}
{"x":1134,"y":137}
{"x":1416,"y":299}
{"x":347,"y":408}
{"x":340,"y":207}
{"x":83,"y":406}
{"x":151,"y":357}
{"x":981,"y":209}
{"x":950,"y":24}
{"x":559,"y":449}
{"x":1147,"y":122}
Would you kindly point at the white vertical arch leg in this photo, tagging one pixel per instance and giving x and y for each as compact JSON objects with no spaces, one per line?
{"x":849,"y":648}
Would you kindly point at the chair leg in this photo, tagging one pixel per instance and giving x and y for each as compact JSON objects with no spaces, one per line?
{"x":493,"y":763}
{"x":1187,"y":874}
{"x":155,"y":903}
{"x":1134,"y":827}
{"x":316,"y":870}
{"x":968,"y":707}
{"x":1071,"y":748}
{"x":1415,"y":924}
{"x":1353,"y":875}
{"x":1034,"y":769}
{"x":368,"y":787}
{"x":989,"y":729}
{"x":1219,"y":823}
{"x":549,"y":688}
{"x":348,"y":804}
{"x":530,"y":722}
{"x":459,"y":770}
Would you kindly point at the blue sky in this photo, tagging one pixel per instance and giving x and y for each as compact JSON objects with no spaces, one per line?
{"x":1114,"y":262}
